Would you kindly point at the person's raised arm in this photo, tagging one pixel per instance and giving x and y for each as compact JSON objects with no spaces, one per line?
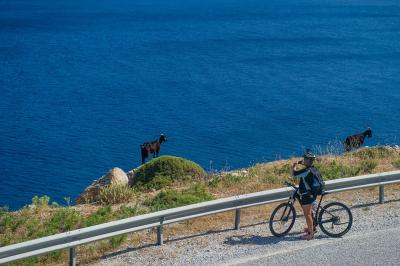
{"x":295,"y":172}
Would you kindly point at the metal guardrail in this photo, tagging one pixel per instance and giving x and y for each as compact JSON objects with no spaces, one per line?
{"x":70,"y":240}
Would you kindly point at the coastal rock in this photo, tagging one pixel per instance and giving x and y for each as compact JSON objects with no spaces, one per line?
{"x":113,"y":177}
{"x":116,"y":176}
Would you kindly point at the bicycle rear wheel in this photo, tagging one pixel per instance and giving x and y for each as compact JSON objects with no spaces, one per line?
{"x":282,"y":219}
{"x":335,"y":219}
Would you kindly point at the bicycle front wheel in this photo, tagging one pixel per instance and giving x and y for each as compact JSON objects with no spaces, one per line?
{"x":282,"y":219}
{"x":335,"y":219}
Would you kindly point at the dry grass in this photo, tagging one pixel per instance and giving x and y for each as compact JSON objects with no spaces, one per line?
{"x":271,"y":175}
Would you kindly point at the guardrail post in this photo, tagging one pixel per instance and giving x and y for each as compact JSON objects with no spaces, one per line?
{"x":160,"y":239}
{"x":237,"y":219}
{"x":72,"y":257}
{"x":381,"y":194}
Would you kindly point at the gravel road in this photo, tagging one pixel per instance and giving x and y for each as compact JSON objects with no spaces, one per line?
{"x":373,"y":239}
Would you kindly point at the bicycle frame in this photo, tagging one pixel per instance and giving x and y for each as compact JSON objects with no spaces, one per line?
{"x":295,"y":195}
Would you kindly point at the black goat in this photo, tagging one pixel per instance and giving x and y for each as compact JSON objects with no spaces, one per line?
{"x":152,"y":147}
{"x":355,"y":141}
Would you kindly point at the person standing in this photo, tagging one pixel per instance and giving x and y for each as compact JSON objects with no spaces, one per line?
{"x":307,"y":192}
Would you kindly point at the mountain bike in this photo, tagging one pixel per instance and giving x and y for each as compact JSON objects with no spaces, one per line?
{"x":334,"y":219}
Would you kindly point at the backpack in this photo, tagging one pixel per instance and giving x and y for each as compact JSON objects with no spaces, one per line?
{"x":318,"y":184}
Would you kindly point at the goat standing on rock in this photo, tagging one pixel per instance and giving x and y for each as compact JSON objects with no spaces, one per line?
{"x":152,"y":147}
{"x":355,"y":141}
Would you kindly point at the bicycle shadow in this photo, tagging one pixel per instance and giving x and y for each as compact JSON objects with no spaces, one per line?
{"x":265,"y":240}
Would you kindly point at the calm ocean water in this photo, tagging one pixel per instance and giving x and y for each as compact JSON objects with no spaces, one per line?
{"x":231,"y":82}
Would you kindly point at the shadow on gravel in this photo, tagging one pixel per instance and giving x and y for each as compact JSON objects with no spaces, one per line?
{"x":210,"y":232}
{"x":127,"y":250}
{"x":264,"y":240}
{"x":357,"y":206}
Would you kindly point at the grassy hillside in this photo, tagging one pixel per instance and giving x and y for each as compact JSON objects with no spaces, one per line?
{"x":168,"y":182}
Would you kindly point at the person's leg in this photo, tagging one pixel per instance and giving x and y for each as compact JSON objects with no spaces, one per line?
{"x":307,"y":210}
{"x":312,"y":217}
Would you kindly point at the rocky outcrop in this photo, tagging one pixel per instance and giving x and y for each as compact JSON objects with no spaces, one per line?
{"x":158,"y":173}
{"x":91,"y":193}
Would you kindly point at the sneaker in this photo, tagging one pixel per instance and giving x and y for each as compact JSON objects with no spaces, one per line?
{"x":307,"y":237}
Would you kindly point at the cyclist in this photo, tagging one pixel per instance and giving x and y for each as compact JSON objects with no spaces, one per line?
{"x":307,"y":197}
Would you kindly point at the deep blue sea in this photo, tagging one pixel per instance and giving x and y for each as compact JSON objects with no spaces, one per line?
{"x":230,"y":82}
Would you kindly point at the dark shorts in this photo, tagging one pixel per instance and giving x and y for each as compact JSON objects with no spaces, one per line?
{"x":307,"y":199}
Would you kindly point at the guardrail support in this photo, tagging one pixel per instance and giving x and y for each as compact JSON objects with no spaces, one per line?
{"x":160,"y":238}
{"x":381,"y":194}
{"x":72,"y":257}
{"x":237,"y":219}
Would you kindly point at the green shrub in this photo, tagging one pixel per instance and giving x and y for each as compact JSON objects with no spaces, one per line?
{"x":3,"y":211}
{"x":117,"y":241}
{"x":396,"y":164}
{"x":373,"y":153}
{"x":126,"y":212}
{"x":334,"y":170}
{"x":65,"y":219}
{"x":366,"y":167}
{"x":32,"y":261}
{"x":226,"y":179}
{"x":35,"y":229}
{"x":215,"y":181}
{"x":29,"y":224}
{"x":68,"y":201}
{"x":161,"y":181}
{"x":171,"y":198}
{"x":47,"y":259}
{"x":115,"y":194}
{"x":255,"y":170}
{"x":7,"y":227}
{"x":161,"y":172}
{"x":102,"y":215}
{"x":11,"y":221}
{"x":42,"y":202}
{"x":232,"y":179}
{"x":270,"y":179}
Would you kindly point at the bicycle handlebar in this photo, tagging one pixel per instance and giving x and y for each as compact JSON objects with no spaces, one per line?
{"x":290,"y":185}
